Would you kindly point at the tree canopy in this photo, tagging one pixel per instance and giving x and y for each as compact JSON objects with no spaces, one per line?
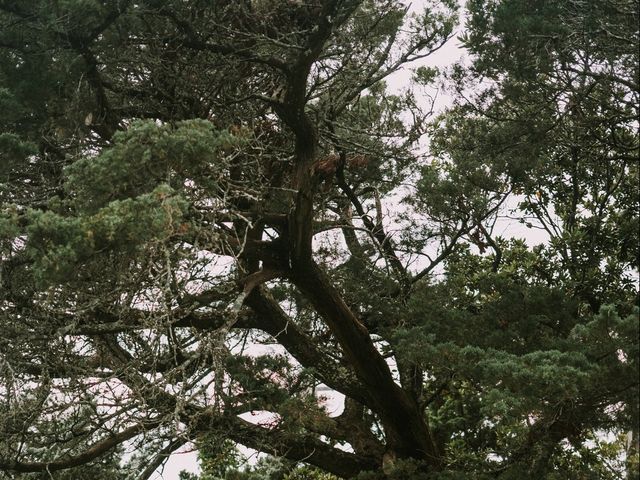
{"x":211,"y":209}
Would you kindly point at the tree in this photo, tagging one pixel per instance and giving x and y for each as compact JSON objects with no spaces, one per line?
{"x":193,"y":228}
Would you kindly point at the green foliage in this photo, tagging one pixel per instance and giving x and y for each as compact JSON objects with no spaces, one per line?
{"x":146,"y":155}
{"x":60,"y":244}
{"x":14,"y":149}
{"x":221,"y":461}
{"x":217,"y":458}
{"x":308,"y":473}
{"x":216,"y":209}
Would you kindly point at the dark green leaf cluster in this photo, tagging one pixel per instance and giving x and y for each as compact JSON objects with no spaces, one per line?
{"x":212,"y":212}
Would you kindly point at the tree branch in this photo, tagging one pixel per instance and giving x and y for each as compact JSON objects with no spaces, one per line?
{"x":93,"y":452}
